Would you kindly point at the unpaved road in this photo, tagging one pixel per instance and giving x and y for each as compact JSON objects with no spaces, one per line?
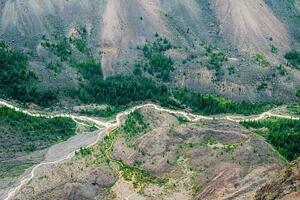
{"x":52,"y":159}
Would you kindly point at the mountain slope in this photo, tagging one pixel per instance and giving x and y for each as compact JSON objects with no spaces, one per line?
{"x":285,"y":185}
{"x":249,"y":24}
{"x":253,"y":36}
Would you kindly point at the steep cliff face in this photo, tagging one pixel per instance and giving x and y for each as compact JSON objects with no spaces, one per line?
{"x":253,"y":34}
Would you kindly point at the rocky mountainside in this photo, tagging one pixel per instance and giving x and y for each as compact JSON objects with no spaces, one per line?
{"x":285,"y":185}
{"x":233,"y":48}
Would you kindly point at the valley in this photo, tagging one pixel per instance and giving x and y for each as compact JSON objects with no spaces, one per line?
{"x":110,"y":127}
{"x":149,"y":99}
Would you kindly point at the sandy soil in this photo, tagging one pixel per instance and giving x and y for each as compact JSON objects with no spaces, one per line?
{"x":112,"y":33}
{"x":61,"y":150}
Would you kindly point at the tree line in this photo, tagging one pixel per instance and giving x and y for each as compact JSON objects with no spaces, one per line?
{"x":283,"y":134}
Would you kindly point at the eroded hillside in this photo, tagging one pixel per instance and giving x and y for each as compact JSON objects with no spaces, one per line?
{"x":285,"y":185}
{"x":232,"y":48}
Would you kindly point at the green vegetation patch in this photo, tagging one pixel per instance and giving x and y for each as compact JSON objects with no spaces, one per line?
{"x":83,"y":151}
{"x":17,"y":82}
{"x":89,"y":69}
{"x":60,"y":47}
{"x":21,"y":132}
{"x":56,"y":67}
{"x":216,"y":60}
{"x":109,"y":111}
{"x":231,"y":70}
{"x":118,"y":91}
{"x":281,"y":70}
{"x":212,"y":141}
{"x":13,"y":171}
{"x":262,"y":86}
{"x":157,"y":63}
{"x":261,"y":59}
{"x":122,"y":90}
{"x":182,"y":120}
{"x":139,"y":177}
{"x":293,"y":58}
{"x":294,"y":109}
{"x":298,"y":92}
{"x":274,"y":49}
{"x":80,"y":42}
{"x":209,"y":104}
{"x":134,"y":125}
{"x":14,"y":75}
{"x":283,"y":134}
{"x":134,"y":174}
{"x":193,"y":144}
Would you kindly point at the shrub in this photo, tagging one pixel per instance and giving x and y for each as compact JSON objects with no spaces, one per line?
{"x":293,"y":58}
{"x":298,"y":92}
{"x":261,"y":59}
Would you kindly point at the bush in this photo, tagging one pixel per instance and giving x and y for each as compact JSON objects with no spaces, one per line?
{"x":83,"y":151}
{"x":81,"y":42}
{"x":261,"y":59}
{"x":298,"y":92}
{"x":161,"y":65}
{"x":55,"y":67}
{"x":262,"y":86}
{"x":293,"y":58}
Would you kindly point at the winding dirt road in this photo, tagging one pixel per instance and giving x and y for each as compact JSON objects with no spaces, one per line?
{"x":108,"y":126}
